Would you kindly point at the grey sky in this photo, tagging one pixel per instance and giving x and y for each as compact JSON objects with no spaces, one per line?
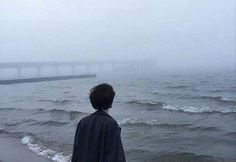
{"x":175,"y":33}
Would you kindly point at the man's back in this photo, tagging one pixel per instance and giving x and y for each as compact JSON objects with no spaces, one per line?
{"x":97,"y":139}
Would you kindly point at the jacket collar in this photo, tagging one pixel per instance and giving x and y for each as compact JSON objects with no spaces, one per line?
{"x":100,"y":112}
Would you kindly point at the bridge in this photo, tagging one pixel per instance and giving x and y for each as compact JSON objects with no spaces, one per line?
{"x":19,"y":66}
{"x":73,"y":65}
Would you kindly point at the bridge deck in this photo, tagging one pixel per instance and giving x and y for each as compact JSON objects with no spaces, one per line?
{"x":41,"y":79}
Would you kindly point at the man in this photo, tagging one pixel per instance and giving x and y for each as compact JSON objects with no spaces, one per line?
{"x":97,"y":137}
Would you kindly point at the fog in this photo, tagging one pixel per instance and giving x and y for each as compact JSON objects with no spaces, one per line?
{"x":173,"y":33}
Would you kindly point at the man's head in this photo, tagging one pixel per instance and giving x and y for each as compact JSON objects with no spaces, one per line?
{"x":101,"y":96}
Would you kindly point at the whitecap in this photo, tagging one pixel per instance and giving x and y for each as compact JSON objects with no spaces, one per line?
{"x":43,"y":151}
{"x":192,"y":109}
{"x":136,"y":121}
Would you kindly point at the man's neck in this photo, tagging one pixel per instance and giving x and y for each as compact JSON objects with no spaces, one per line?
{"x":106,"y":110}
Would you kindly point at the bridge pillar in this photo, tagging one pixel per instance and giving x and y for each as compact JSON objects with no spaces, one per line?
{"x":19,"y":72}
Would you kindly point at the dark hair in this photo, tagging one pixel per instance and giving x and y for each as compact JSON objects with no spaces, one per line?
{"x":101,"y":96}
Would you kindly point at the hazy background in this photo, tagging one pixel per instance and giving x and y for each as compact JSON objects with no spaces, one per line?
{"x":174,"y":33}
{"x":180,"y":106}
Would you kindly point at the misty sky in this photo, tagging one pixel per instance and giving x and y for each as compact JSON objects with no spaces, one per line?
{"x":175,"y":33}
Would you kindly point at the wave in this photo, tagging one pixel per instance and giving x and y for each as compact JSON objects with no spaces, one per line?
{"x":150,"y":123}
{"x":72,"y":114}
{"x":44,"y":151}
{"x":231,"y":134}
{"x":146,"y":102}
{"x":57,"y":101}
{"x":51,"y":123}
{"x":141,"y":122}
{"x":220,"y":91}
{"x":225,"y":99}
{"x":178,"y":87}
{"x":185,"y":109}
{"x":14,"y":134}
{"x":7,"y":108}
{"x":196,"y":110}
{"x":220,"y":99}
{"x":2,"y":130}
{"x":176,"y":156}
{"x":204,"y":128}
{"x":59,"y":111}
{"x":136,"y":122}
{"x":19,"y":123}
{"x":186,"y":157}
{"x":216,"y":98}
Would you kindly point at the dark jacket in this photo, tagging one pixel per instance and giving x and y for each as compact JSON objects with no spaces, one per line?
{"x":97,"y":139}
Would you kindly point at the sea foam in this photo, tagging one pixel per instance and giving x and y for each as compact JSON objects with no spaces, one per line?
{"x":137,"y":122}
{"x":197,"y":110}
{"x":43,"y":151}
{"x":152,"y":122}
{"x":185,"y":109}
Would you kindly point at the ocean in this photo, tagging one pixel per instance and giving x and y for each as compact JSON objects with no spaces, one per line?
{"x":164,"y":117}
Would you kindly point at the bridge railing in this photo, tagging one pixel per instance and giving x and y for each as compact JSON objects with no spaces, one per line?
{"x":99,"y":65}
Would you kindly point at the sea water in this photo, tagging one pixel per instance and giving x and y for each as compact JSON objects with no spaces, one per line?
{"x":164,"y":117}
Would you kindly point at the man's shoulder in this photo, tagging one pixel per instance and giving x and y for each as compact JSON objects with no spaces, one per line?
{"x":101,"y":116}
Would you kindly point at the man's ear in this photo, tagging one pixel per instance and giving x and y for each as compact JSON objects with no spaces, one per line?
{"x":110,"y":106}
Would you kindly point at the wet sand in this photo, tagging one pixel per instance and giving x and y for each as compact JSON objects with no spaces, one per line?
{"x":12,"y":150}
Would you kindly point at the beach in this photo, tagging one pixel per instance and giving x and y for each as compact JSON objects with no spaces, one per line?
{"x":12,"y":150}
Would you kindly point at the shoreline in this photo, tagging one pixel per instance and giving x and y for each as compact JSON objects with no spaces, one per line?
{"x":12,"y":150}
